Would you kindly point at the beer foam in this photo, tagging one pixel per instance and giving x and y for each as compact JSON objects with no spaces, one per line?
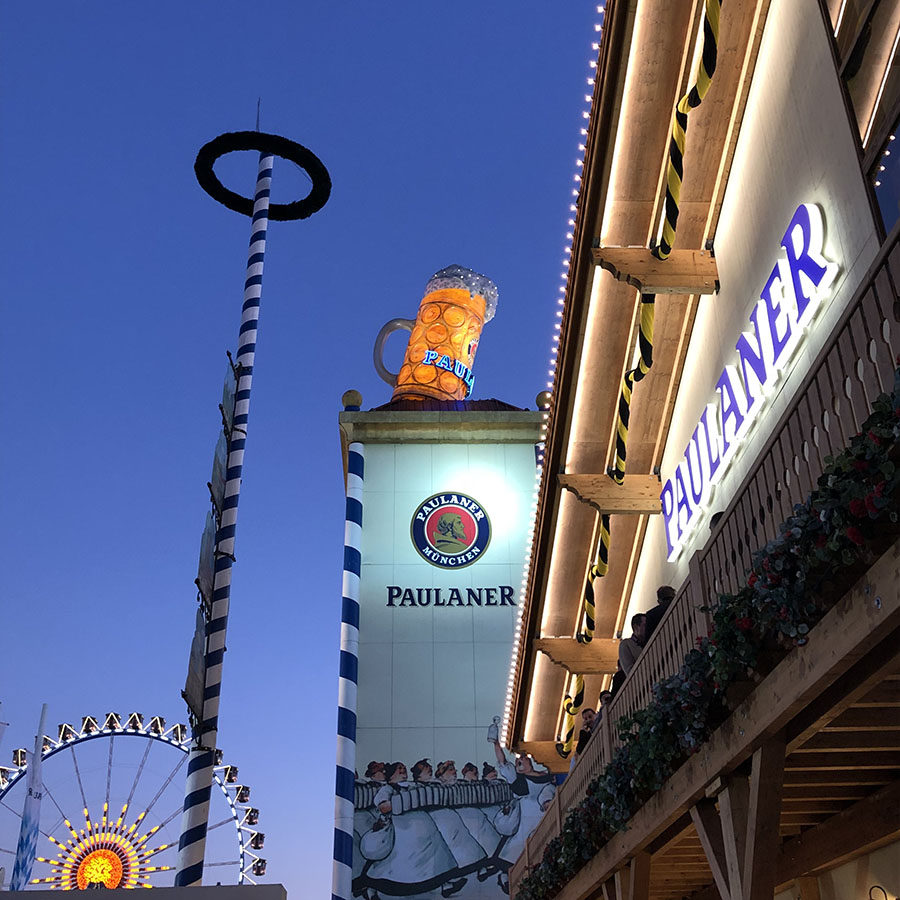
{"x":460,"y":277}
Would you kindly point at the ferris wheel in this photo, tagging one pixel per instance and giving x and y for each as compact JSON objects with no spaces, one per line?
{"x":111,"y":809}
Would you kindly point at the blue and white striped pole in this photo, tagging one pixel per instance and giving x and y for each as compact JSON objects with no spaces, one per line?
{"x":342,"y":875}
{"x":201,"y":761}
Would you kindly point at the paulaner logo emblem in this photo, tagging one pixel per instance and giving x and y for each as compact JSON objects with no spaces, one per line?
{"x":450,"y":530}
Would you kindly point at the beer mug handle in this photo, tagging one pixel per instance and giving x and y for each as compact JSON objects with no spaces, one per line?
{"x":378,"y":353}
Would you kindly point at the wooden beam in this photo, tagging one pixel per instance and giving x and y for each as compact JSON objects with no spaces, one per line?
{"x":871,"y":822}
{"x":861,"y":680}
{"x":863,"y":759}
{"x":639,"y":495}
{"x":832,"y":741}
{"x":684,"y":272}
{"x":885,"y":694}
{"x":734,"y":806}
{"x":599,"y":657}
{"x":867,"y":718}
{"x":741,"y":840}
{"x":808,"y":888}
{"x":825,"y":792}
{"x":709,"y":829}
{"x":815,"y":804}
{"x":766,"y":778}
{"x":633,"y":882}
{"x":838,"y":777}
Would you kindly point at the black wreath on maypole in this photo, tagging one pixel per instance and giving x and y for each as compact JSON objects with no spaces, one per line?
{"x":265,"y":143}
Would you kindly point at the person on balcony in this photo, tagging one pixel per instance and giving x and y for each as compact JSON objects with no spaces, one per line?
{"x":664,"y":597}
{"x":630,"y":648}
{"x":589,"y":721}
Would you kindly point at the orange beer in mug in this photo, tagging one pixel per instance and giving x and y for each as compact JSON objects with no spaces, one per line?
{"x":443,"y":338}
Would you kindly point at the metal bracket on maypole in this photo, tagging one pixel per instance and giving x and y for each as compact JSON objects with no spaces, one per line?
{"x":204,"y":680}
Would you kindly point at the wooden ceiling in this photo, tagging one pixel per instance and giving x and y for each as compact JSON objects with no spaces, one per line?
{"x":841,"y":793}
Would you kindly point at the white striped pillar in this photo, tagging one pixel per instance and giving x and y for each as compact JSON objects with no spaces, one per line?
{"x":345,"y":777}
{"x":192,"y":844}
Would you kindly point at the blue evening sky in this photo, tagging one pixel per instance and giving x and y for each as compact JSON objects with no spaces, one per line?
{"x":450,"y":131}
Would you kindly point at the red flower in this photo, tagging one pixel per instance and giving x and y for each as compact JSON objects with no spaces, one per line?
{"x":744,"y":623}
{"x":879,"y":488}
{"x":855,"y":535}
{"x":752,"y":579}
{"x":858,"y":509}
{"x":870,"y":503}
{"x":860,"y":465}
{"x":873,"y":437}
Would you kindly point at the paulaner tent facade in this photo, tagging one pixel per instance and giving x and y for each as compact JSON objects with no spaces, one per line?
{"x":742,"y":261}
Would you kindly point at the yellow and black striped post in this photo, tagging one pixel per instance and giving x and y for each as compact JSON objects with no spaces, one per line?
{"x":645,"y":361}
{"x":571,"y":707}
{"x":691,"y":100}
{"x":597,"y":570}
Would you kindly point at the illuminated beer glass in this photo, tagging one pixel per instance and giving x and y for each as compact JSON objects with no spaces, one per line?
{"x":443,"y":338}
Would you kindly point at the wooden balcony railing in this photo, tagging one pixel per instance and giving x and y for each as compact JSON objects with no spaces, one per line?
{"x":853,"y":368}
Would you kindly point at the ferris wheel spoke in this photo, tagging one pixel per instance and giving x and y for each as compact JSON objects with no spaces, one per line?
{"x":220,"y":824}
{"x":231,"y":862}
{"x":53,"y":801}
{"x":78,"y":776}
{"x":63,"y":817}
{"x":18,"y":815}
{"x":5,"y":805}
{"x":140,"y":770}
{"x":167,"y":782}
{"x":177,"y":812}
{"x":10,"y":852}
{"x":109,"y":764}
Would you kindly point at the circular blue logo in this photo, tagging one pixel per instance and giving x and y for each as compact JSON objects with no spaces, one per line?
{"x":450,"y":530}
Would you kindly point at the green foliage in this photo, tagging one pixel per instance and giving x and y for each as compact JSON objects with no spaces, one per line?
{"x":791,"y":584}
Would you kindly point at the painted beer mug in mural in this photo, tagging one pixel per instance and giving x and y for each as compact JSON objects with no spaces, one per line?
{"x":443,"y":338}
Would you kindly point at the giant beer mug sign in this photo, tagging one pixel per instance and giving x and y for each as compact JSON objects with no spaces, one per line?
{"x":443,"y":337}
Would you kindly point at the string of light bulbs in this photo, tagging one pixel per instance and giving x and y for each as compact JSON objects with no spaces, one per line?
{"x":552,"y":372}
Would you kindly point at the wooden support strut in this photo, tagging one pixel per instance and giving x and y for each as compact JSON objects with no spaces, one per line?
{"x":684,"y":272}
{"x":633,"y":882}
{"x":599,"y":657}
{"x":742,"y":839}
{"x":638,"y":495}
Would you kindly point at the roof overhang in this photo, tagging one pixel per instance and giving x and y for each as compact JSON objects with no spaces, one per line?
{"x":645,"y":64}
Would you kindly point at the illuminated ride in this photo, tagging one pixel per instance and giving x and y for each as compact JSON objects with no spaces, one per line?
{"x":129,"y":801}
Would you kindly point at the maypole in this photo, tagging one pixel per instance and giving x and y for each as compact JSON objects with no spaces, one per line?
{"x":217,"y":547}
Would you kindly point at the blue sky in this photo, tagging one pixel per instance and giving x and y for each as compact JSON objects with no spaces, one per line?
{"x":450,"y":133}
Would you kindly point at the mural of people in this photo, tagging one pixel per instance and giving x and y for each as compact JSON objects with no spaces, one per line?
{"x":534,"y":792}
{"x":427,"y":837}
{"x":404,"y":848}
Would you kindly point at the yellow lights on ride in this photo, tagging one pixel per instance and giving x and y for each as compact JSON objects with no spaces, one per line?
{"x":111,"y":855}
{"x":99,"y":867}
